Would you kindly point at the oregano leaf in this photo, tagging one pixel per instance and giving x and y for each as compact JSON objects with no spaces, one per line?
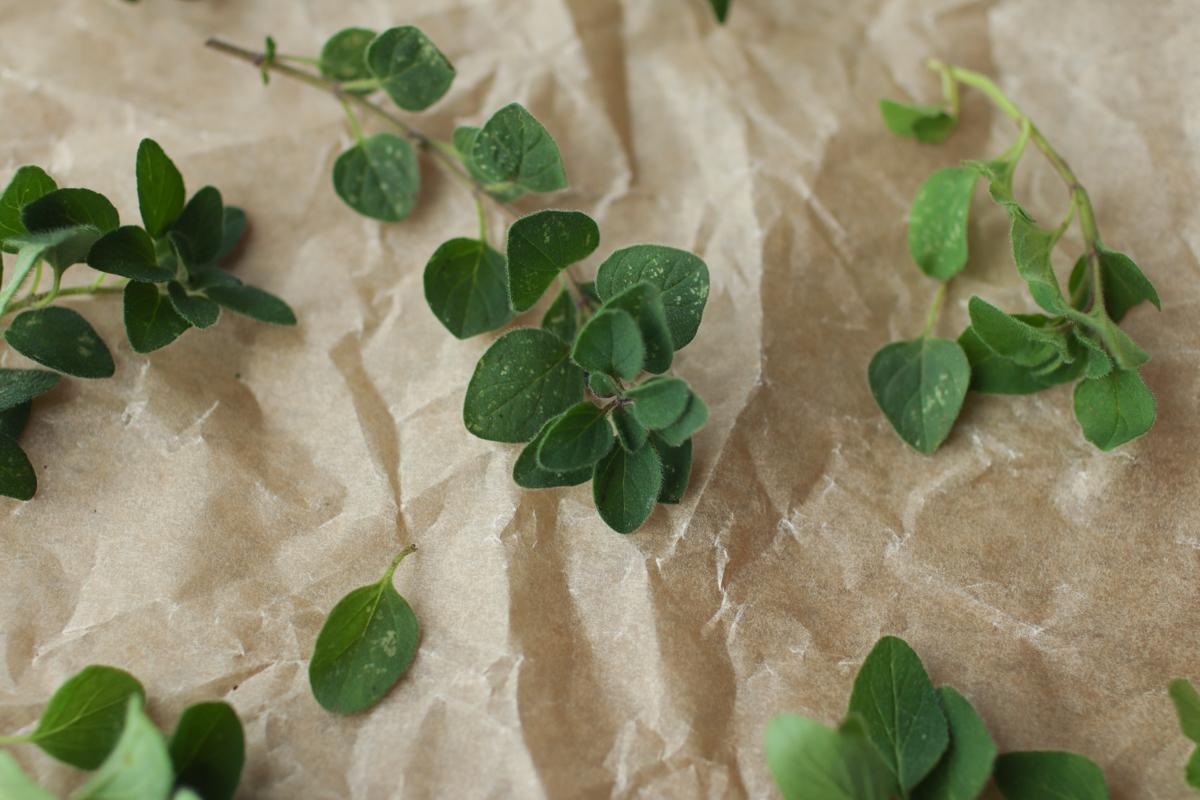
{"x":1013,"y":338}
{"x":1032,"y":245}
{"x":937,"y":223}
{"x":543,"y":244}
{"x":677,"y":469}
{"x":643,"y":302}
{"x":1038,"y":775}
{"x":1096,"y":363}
{"x":681,"y":277}
{"x":602,"y":385}
{"x":250,"y":301}
{"x":16,"y":785}
{"x":14,"y":420}
{"x":562,"y":317}
{"x":84,"y":718}
{"x":19,"y":386}
{"x":920,"y":386}
{"x":1125,"y":285}
{"x":410,"y":68}
{"x":513,"y":148}
{"x":233,"y":230}
{"x":529,"y":474}
{"x":810,"y":761}
{"x":138,"y":767}
{"x":198,"y":231}
{"x":660,"y":401}
{"x":60,"y":248}
{"x":994,"y":374}
{"x":610,"y":342}
{"x":464,"y":144}
{"x":575,"y":439}
{"x":199,"y":311}
{"x":1187,"y":706}
{"x":17,"y":477}
{"x":379,"y":177}
{"x":27,"y":184}
{"x":1114,"y":409}
{"x":927,"y":124}
{"x":151,"y":322}
{"x":208,"y":750}
{"x":966,"y":766}
{"x":62,"y":340}
{"x":625,"y":487}
{"x":466,"y":286}
{"x":631,"y":433}
{"x":65,"y":208}
{"x":160,"y":188}
{"x":344,"y":57}
{"x":691,"y":420}
{"x":129,"y":252}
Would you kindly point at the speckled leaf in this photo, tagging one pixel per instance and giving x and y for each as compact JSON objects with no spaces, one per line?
{"x":514,"y":148}
{"x":610,"y":342}
{"x":208,"y":750}
{"x":28,"y":183}
{"x":927,"y":124}
{"x":920,"y":386}
{"x":84,"y":718}
{"x":379,"y":177}
{"x":411,"y":69}
{"x":540,"y":246}
{"x":151,"y":322}
{"x":60,"y":339}
{"x":1114,"y":409}
{"x":937,"y":223}
{"x":464,"y":143}
{"x":1049,"y":776}
{"x":680,"y":276}
{"x":466,"y":287}
{"x":344,"y":56}
{"x":625,"y":487}
{"x":129,"y":252}
{"x":643,"y":302}
{"x":576,"y":438}
{"x":138,"y":767}
{"x":159,"y":187}
{"x":19,"y":386}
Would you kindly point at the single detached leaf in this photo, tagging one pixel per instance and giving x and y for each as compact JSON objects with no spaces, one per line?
{"x":138,"y":767}
{"x":466,"y":286}
{"x":197,"y":310}
{"x":513,"y":147}
{"x":1032,"y":245}
{"x":994,"y":374}
{"x":691,"y":420}
{"x":900,"y":710}
{"x":379,"y":177}
{"x":720,"y":9}
{"x":658,"y":402}
{"x":367,"y":643}
{"x":60,"y":339}
{"x":85,"y":716}
{"x":160,"y":188}
{"x":14,"y":420}
{"x":64,"y":208}
{"x":1114,"y":409}
{"x":631,"y":434}
{"x":680,"y":276}
{"x":643,"y":302}
{"x":250,"y":301}
{"x":1015,"y":339}
{"x":28,"y":184}
{"x":151,"y":322}
{"x":19,"y":386}
{"x":562,"y":318}
{"x":208,"y":750}
{"x":1187,"y":707}
{"x":937,"y":223}
{"x":17,"y":478}
{"x":920,"y":386}
{"x":16,"y":785}
{"x":529,"y":474}
{"x":812,"y":762}
{"x":1125,"y":285}
{"x":543,"y":244}
{"x":129,"y":252}
{"x":625,"y":487}
{"x":677,"y":469}
{"x":199,"y":231}
{"x":927,"y":124}
{"x":1049,"y":776}
{"x":602,"y":385}
{"x":610,"y":342}
{"x":344,"y":56}
{"x":576,"y":438}
{"x":524,"y":379}
{"x":410,"y":68}
{"x":967,"y":764}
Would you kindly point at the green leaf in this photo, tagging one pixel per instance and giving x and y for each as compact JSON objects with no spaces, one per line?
{"x":576,"y":438}
{"x":367,"y":643}
{"x":1117,"y":342}
{"x":199,"y":231}
{"x":643,"y":302}
{"x":927,"y":124}
{"x":529,"y":474}
{"x":17,"y":478}
{"x":812,"y":762}
{"x":160,"y":188}
{"x":344,"y":57}
{"x":197,"y":310}
{"x":658,"y":402}
{"x":138,"y":767}
{"x":151,"y":322}
{"x":677,"y":469}
{"x":65,"y":208}
{"x":28,"y":184}
{"x":625,"y":487}
{"x":920,"y":386}
{"x":250,"y":301}
{"x":1096,"y":363}
{"x":82,"y":722}
{"x":630,"y":433}
{"x":14,"y":420}
{"x":62,"y":340}
{"x":60,"y":248}
{"x":610,"y":342}
{"x":900,"y":710}
{"x":466,"y":286}
{"x":208,"y":750}
{"x":999,"y":171}
{"x":1187,"y":707}
{"x":602,"y":385}
{"x":1011,"y":337}
{"x":540,"y":246}
{"x":264,"y":69}
{"x":1125,"y":285}
{"x":692,"y":420}
{"x":514,"y":148}
{"x":19,"y":386}
{"x":1049,"y":776}
{"x":966,"y":766}
{"x":679,"y":275}
{"x":562,"y":318}
{"x":15,"y":784}
{"x":464,"y":143}
{"x":233,"y":229}
{"x":1114,"y":409}
{"x":1032,"y":245}
{"x":937,"y":223}
{"x":379,"y":177}
{"x":1192,"y":770}
{"x":994,"y":374}
{"x":524,"y":379}
{"x":410,"y":68}
{"x":129,"y":252}
{"x":720,"y":9}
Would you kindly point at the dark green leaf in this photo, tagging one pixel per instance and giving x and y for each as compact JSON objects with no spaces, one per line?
{"x":920,"y":386}
{"x":677,"y":469}
{"x":411,"y":69}
{"x":1187,"y":707}
{"x":19,"y":386}
{"x":576,"y":438}
{"x":543,"y":244}
{"x":1114,"y":409}
{"x":679,"y":275}
{"x":643,"y":302}
{"x":514,"y":148}
{"x":264,"y":69}
{"x":720,"y":9}
{"x":466,"y":286}
{"x":1125,"y":285}
{"x":937,"y":223}
{"x":529,"y":474}
{"x":160,"y":188}
{"x":199,"y":231}
{"x":562,"y":318}
{"x":28,"y":184}
{"x":151,"y":322}
{"x":65,"y":208}
{"x":994,"y":374}
{"x":1124,"y":350}
{"x":630,"y":433}
{"x":252,"y":302}
{"x":233,"y":229}
{"x":1011,"y":337}
{"x":14,"y":420}
{"x":208,"y":750}
{"x":1049,"y":776}
{"x":60,"y":339}
{"x":812,"y":762}
{"x":610,"y":342}
{"x":464,"y":143}
{"x":602,"y":385}
{"x":138,"y":767}
{"x":524,"y":379}
{"x":344,"y":56}
{"x":1032,"y":245}
{"x":129,"y":252}
{"x":966,"y":766}
{"x":60,"y":248}
{"x":84,"y":718}
{"x":367,"y":643}
{"x":197,"y":310}
{"x":658,"y":402}
{"x":379,"y":177}
{"x":625,"y":487}
{"x":692,"y":420}
{"x":927,"y":124}
{"x":900,"y":710}
{"x":17,"y":478}
{"x":16,"y":785}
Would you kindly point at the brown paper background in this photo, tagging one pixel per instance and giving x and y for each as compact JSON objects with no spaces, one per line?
{"x":200,"y":512}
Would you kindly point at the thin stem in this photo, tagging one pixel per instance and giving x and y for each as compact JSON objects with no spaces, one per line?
{"x":483,"y":230}
{"x":74,"y":291}
{"x":352,"y":119}
{"x":935,"y":308}
{"x":316,"y":62}
{"x":21,"y":272}
{"x":19,"y":739}
{"x":37,"y":277}
{"x":55,"y":288}
{"x":387,"y":576}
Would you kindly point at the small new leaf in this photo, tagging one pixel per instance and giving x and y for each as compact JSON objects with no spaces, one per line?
{"x":681,"y":277}
{"x":920,"y":386}
{"x":529,"y":474}
{"x":1032,"y":245}
{"x":60,"y":339}
{"x":208,"y":750}
{"x":927,"y":124}
{"x":466,"y":286}
{"x":514,"y":148}
{"x":1037,"y":775}
{"x":610,"y":343}
{"x":197,"y":310}
{"x":27,"y":184}
{"x":720,"y":9}
{"x":562,"y":318}
{"x":379,"y":177}
{"x":625,"y":487}
{"x":151,"y":322}
{"x":84,"y":718}
{"x":540,"y":246}
{"x":139,"y":766}
{"x":631,"y":434}
{"x":575,"y":439}
{"x":1125,"y":285}
{"x":937,"y":223}
{"x":809,"y":760}
{"x":1114,"y":409}
{"x":643,"y":302}
{"x":159,"y":187}
{"x":410,"y":68}
{"x":129,"y":252}
{"x":344,"y":57}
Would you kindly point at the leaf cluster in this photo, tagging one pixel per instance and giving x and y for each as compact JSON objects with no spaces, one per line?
{"x":95,"y":721}
{"x":904,"y":738}
{"x":169,"y":266}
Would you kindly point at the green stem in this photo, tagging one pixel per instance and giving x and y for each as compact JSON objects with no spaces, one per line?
{"x":316,"y":62}
{"x":20,"y":739}
{"x":935,"y":308}
{"x":387,"y":576}
{"x":483,"y":231}
{"x":55,"y":288}
{"x":22,"y":267}
{"x":75,"y":291}
{"x":365,"y":83}
{"x":37,"y":277}
{"x":352,"y":119}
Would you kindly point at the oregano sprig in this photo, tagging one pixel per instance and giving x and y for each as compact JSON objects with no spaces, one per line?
{"x":921,"y":384}
{"x":167,"y":270}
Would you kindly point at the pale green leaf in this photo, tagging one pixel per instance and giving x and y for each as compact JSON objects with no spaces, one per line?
{"x":920,"y":386}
